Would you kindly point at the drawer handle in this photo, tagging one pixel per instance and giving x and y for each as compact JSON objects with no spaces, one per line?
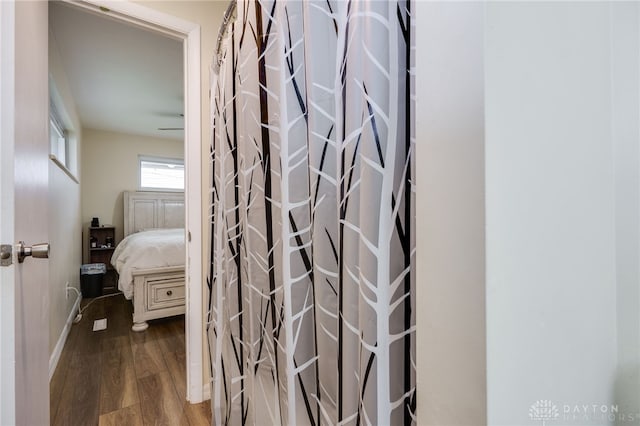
{"x":169,"y":293}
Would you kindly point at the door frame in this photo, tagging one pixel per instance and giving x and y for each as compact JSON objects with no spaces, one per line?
{"x":7,"y":274}
{"x":189,"y":34}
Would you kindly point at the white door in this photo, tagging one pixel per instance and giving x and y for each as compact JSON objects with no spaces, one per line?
{"x":24,"y":310}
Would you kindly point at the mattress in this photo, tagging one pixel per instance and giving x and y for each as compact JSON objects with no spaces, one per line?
{"x":145,"y":250}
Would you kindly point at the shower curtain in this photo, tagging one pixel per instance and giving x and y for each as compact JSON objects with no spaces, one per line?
{"x":312,"y":274}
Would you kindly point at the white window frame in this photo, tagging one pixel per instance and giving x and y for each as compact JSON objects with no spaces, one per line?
{"x":61,"y":153}
{"x":156,"y":159}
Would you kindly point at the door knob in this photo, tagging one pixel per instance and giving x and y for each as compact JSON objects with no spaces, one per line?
{"x":40,"y":251}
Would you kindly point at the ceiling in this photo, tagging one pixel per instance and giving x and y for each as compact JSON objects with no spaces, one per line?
{"x":123,"y":78}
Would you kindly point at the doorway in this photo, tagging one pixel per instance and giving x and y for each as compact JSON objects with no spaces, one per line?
{"x":188,"y":34}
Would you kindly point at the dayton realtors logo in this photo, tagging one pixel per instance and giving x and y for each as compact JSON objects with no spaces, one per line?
{"x":543,"y":410}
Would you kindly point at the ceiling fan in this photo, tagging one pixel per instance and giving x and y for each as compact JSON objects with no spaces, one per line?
{"x":173,"y":128}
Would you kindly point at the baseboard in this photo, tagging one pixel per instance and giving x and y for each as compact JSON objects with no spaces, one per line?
{"x":57,"y":351}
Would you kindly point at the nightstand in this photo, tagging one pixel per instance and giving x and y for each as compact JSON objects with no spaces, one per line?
{"x":100,"y":252}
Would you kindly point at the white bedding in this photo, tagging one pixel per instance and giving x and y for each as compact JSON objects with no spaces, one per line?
{"x":147,"y":249}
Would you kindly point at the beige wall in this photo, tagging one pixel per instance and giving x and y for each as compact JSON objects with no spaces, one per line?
{"x":65,"y":231}
{"x":110,"y":166}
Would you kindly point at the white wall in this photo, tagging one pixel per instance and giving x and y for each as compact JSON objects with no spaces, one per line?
{"x":65,"y":231}
{"x":450,"y":205}
{"x":625,"y":44}
{"x":551,"y":236}
{"x":110,"y":166}
{"x":65,"y":237}
{"x":561,"y":163}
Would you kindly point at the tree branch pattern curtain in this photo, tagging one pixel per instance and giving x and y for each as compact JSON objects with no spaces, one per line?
{"x":312,"y":279}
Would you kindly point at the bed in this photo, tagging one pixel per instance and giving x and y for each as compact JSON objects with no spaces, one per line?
{"x":150,"y":259}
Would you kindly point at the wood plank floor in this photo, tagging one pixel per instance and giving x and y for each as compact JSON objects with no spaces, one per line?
{"x":120,"y":377}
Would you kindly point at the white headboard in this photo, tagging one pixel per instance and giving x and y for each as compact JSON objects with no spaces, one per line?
{"x":146,"y":210}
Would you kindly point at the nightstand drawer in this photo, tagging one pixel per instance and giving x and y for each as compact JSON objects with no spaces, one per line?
{"x":164,"y":294}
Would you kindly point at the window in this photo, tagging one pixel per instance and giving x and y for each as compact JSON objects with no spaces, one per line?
{"x":63,"y":140}
{"x":58,"y":138}
{"x":160,"y":174}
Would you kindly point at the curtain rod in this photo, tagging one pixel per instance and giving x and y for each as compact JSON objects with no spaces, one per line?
{"x":229,"y":16}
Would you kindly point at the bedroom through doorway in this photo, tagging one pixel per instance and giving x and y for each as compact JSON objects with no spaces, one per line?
{"x":118,"y":91}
